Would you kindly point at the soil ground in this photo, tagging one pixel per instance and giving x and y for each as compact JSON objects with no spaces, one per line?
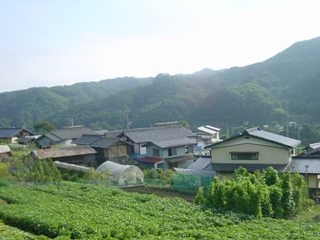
{"x":162,"y":192}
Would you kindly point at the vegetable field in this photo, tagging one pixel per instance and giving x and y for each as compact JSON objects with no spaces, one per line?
{"x":87,"y":211}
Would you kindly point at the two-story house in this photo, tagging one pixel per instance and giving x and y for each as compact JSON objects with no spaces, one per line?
{"x":161,"y":147}
{"x":169,"y":153}
{"x":106,"y":146}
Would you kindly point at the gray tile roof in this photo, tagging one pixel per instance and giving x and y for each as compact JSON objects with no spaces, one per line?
{"x":69,"y":133}
{"x":72,"y":133}
{"x":104,"y":142}
{"x":87,"y":139}
{"x":299,"y":164}
{"x":11,"y":132}
{"x":52,"y":137}
{"x":168,"y":143}
{"x":142,"y":135}
{"x":114,"y":133}
{"x":201,"y":163}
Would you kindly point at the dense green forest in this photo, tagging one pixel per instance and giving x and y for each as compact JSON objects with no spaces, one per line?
{"x":274,"y":92}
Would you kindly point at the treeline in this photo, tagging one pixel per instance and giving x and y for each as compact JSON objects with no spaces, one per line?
{"x":262,"y":194}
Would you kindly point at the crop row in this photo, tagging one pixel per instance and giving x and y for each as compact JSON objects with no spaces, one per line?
{"x":97,"y":212}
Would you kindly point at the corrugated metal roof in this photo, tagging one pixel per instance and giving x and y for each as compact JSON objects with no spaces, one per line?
{"x":201,"y":163}
{"x":142,"y":135}
{"x":258,"y":133}
{"x":195,"y":172}
{"x":178,"y":142}
{"x":272,"y":137}
{"x":207,"y":130}
{"x":213,"y":128}
{"x":314,"y":145}
{"x":4,"y":149}
{"x":70,"y":133}
{"x":299,"y":165}
{"x":63,"y":152}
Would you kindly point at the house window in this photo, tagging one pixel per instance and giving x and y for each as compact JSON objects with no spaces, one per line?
{"x":172,"y":152}
{"x":156,"y":152}
{"x":244,"y":155}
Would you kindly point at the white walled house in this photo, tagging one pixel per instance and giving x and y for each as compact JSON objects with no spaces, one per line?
{"x":140,"y":136}
{"x":171,"y":152}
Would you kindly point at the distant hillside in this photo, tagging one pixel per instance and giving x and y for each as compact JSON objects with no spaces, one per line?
{"x":282,"y":88}
{"x":26,"y":107}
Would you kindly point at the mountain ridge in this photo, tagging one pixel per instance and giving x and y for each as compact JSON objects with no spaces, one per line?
{"x":275,"y":90}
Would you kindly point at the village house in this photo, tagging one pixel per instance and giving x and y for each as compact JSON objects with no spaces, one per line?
{"x":207,"y":135}
{"x":164,"y":146}
{"x":169,"y":153}
{"x":140,"y":136}
{"x":253,"y":149}
{"x":106,"y":146}
{"x":308,"y":165}
{"x":62,"y":137}
{"x":11,"y":135}
{"x":81,"y":155}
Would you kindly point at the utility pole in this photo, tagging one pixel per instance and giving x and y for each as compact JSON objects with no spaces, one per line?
{"x":127,"y":118}
{"x":71,"y":121}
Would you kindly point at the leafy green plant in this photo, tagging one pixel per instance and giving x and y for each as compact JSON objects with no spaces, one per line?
{"x":265,"y":194}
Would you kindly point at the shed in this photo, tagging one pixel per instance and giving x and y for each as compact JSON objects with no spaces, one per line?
{"x":123,"y":174}
{"x":4,"y":149}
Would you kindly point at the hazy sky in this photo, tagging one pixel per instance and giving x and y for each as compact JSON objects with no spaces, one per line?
{"x":61,"y":42}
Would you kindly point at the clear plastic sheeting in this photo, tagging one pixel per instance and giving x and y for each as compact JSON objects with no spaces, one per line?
{"x":124,"y":174}
{"x":71,"y":166}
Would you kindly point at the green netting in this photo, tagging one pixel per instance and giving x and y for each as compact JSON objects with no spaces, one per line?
{"x":192,"y":182}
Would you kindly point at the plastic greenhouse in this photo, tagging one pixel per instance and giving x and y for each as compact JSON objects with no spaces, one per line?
{"x":123,"y":174}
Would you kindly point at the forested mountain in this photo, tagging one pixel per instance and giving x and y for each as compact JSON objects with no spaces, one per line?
{"x":282,"y":88}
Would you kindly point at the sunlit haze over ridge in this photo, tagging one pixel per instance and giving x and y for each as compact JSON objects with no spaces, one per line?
{"x":53,"y":43}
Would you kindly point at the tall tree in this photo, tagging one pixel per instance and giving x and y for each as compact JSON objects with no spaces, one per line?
{"x":43,"y":127}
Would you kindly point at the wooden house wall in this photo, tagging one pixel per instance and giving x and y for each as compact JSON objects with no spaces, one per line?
{"x":115,"y":151}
